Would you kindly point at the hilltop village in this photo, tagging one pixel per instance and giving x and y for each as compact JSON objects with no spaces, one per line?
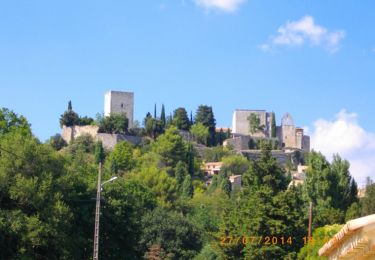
{"x":175,"y":187}
{"x":249,"y":129}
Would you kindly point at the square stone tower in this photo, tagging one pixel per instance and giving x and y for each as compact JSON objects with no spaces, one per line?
{"x":119,"y":102}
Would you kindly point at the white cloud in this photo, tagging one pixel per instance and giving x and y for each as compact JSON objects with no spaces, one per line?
{"x":305,"y":30}
{"x":223,"y":5}
{"x":345,"y":136}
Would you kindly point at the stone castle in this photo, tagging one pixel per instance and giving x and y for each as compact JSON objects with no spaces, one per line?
{"x":288,"y":136}
{"x":114,"y":102}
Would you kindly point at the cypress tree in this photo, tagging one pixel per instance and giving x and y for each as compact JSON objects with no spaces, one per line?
{"x":187,"y":187}
{"x":155,"y":111}
{"x":70,"y":107}
{"x":273,"y":125}
{"x":180,"y":172}
{"x":99,"y":152}
{"x":162,"y":116}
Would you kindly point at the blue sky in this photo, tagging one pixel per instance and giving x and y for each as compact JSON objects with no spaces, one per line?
{"x":310,"y":58}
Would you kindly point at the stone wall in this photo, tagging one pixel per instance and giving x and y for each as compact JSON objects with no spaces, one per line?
{"x":71,"y":132}
{"x":238,"y":143}
{"x":109,"y":140}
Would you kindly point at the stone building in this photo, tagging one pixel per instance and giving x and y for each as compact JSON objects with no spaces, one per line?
{"x":114,"y":102}
{"x":119,"y":102}
{"x":288,"y":135}
{"x":241,"y":125}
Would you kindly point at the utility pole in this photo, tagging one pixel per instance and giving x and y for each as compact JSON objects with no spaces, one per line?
{"x":310,"y":220}
{"x":97,"y":215}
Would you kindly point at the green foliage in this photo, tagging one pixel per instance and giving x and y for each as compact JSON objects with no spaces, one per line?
{"x":170,"y":147}
{"x":153,"y":126}
{"x":330,"y":187}
{"x":254,"y":123}
{"x":99,"y":152}
{"x":266,"y":171}
{"x":205,"y":116}
{"x":34,"y":216}
{"x":320,"y":237}
{"x":116,"y":123}
{"x":187,"y":187}
{"x":121,"y":158}
{"x":10,"y":121}
{"x":200,"y":133}
{"x":178,"y":237}
{"x":180,"y":119}
{"x":215,"y":154}
{"x":234,"y":165}
{"x":159,"y":182}
{"x":84,"y":143}
{"x":126,"y":202}
{"x":368,"y":202}
{"x":69,"y":118}
{"x":162,"y":116}
{"x":180,"y":172}
{"x":57,"y":142}
{"x":86,"y":121}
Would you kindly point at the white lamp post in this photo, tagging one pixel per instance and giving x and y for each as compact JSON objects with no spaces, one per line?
{"x":97,"y":211}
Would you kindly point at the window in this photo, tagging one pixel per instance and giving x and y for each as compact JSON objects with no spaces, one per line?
{"x":122,"y":105}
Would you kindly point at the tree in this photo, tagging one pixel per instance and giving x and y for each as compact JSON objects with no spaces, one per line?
{"x":254,"y":123}
{"x":215,"y":154}
{"x":368,"y":202}
{"x":266,"y":171}
{"x":226,"y":186}
{"x":57,"y":142}
{"x":329,"y":187}
{"x":320,"y":236}
{"x":187,"y":187}
{"x":10,"y":121}
{"x":180,"y":172}
{"x":99,"y":152}
{"x":205,"y":116}
{"x":86,"y":121}
{"x":171,"y":147}
{"x":153,"y":127}
{"x":273,"y":125}
{"x":126,"y":202}
{"x":121,"y":158}
{"x":200,"y":133}
{"x":34,"y":218}
{"x":178,"y":237}
{"x":162,"y":116}
{"x":69,"y":118}
{"x":115,"y":123}
{"x":180,"y":119}
{"x":234,"y":165}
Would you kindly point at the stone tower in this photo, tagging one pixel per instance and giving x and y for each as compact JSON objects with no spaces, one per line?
{"x":119,"y":102}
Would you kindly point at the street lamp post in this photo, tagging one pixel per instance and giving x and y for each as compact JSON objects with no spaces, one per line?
{"x":97,"y":211}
